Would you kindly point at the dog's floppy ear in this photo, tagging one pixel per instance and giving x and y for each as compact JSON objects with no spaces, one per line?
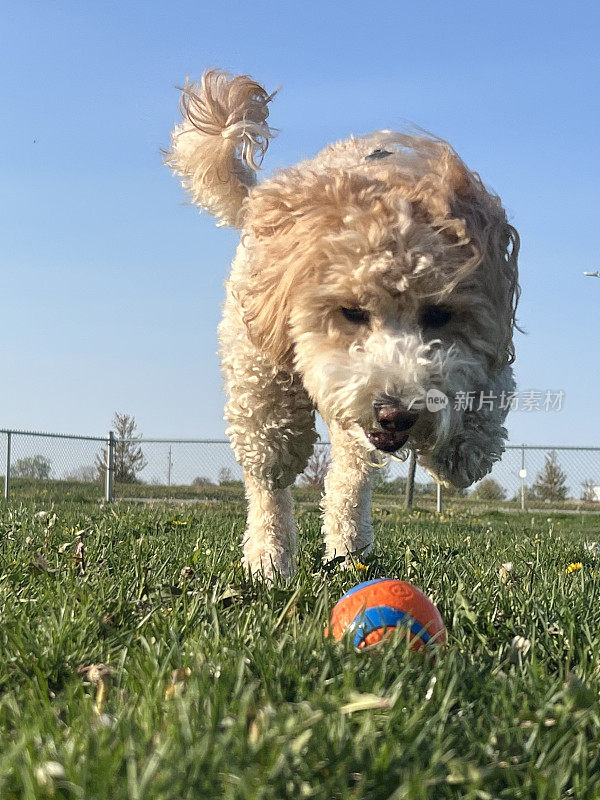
{"x":266,"y":303}
{"x":497,"y":244}
{"x":476,"y":438}
{"x":503,"y":249}
{"x":453,"y":199}
{"x":288,"y":221}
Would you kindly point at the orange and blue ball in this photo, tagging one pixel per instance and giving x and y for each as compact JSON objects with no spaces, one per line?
{"x":370,"y":611}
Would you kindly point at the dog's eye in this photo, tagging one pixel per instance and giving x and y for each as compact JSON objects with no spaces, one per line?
{"x":356,"y":315}
{"x":435,"y":316}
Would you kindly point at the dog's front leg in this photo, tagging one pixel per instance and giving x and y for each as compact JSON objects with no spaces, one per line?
{"x":270,"y":538}
{"x":347,"y":526}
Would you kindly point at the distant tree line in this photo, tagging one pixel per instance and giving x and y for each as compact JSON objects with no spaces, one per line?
{"x":37,"y":468}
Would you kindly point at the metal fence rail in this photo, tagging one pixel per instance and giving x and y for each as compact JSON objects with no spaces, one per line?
{"x":34,"y":463}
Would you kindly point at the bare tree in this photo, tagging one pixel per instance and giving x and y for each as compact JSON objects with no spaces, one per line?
{"x":84,"y":474}
{"x":128,"y":456}
{"x":201,"y":480}
{"x":225,"y":476}
{"x":589,"y":494}
{"x":317,"y":468}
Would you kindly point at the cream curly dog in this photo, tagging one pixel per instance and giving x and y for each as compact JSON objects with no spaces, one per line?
{"x":365,"y":277}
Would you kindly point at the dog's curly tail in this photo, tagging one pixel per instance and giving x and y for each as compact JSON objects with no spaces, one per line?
{"x":221,"y":142}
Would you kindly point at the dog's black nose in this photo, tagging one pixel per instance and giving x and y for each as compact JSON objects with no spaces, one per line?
{"x":393,"y":417}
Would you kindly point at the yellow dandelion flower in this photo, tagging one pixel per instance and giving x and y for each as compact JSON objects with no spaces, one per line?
{"x":574,"y":567}
{"x":360,"y":567}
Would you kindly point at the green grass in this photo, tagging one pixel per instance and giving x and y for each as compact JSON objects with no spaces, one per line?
{"x":262,"y":706}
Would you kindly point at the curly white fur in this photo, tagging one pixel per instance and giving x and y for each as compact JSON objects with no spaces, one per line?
{"x":391,"y":225}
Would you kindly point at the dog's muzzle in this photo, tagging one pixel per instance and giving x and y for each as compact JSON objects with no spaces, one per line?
{"x":395,"y":421}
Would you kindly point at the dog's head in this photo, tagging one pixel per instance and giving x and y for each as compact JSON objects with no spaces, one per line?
{"x":382,"y":270}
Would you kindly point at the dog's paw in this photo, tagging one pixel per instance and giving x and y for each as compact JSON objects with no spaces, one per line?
{"x":268,"y":567}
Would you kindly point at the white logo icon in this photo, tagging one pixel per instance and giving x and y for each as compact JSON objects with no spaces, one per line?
{"x":436,"y":400}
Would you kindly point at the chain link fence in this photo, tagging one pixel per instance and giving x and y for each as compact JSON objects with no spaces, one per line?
{"x":49,"y":467}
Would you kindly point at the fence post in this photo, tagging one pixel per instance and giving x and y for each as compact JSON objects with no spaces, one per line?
{"x":523,"y":475}
{"x":410,"y":481}
{"x":110,"y":467}
{"x":439,"y":499}
{"x":7,"y":473}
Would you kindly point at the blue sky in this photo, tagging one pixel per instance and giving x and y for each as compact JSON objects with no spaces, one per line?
{"x":111,"y":285}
